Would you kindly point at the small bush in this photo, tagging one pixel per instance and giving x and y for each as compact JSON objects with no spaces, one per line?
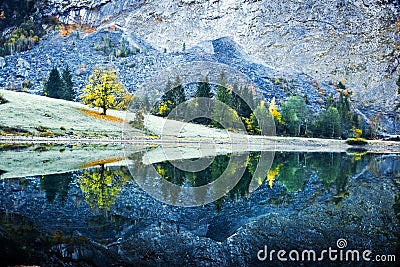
{"x":393,"y":138}
{"x":356,"y":141}
{"x":2,"y":99}
{"x":27,"y":84}
{"x":12,"y":130}
{"x":41,"y":129}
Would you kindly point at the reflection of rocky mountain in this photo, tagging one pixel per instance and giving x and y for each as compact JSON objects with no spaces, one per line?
{"x":300,"y":47}
{"x":138,"y":229}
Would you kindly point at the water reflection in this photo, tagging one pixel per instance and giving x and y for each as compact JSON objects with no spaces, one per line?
{"x":304,"y":198}
{"x":101,"y":185}
{"x":56,"y":185}
{"x":295,"y":169}
{"x":218,"y":166}
{"x":290,"y":170}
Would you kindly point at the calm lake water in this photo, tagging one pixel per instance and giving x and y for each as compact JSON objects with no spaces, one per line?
{"x":99,"y":215}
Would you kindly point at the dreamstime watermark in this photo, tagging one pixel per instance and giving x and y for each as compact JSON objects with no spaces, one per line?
{"x":338,"y":253}
{"x":173,"y":144}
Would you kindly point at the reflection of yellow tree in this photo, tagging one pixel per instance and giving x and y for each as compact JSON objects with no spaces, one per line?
{"x":102,"y":186}
{"x":271,"y":175}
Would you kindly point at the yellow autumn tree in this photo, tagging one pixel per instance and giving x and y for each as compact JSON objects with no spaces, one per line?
{"x":273,"y":110}
{"x":357,"y":132}
{"x":104,"y":91}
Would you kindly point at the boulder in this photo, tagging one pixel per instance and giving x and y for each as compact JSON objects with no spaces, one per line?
{"x":2,"y":62}
{"x":23,"y":68}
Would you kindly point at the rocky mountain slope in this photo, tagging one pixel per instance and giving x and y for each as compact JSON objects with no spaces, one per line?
{"x":328,"y":40}
{"x":311,"y":45}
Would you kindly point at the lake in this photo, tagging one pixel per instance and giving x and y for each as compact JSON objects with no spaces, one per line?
{"x":95,"y":206}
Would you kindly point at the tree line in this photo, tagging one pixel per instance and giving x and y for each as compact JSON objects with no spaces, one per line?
{"x":292,"y":117}
{"x":235,"y":104}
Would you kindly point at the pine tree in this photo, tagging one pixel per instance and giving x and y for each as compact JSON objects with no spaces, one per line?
{"x":260,"y":115}
{"x":203,"y":90}
{"x":173,"y":96}
{"x":178,"y":91}
{"x":167,"y":101}
{"x":328,"y":123}
{"x":242,"y":101}
{"x":168,"y":93}
{"x":68,"y":92}
{"x":223,"y":108}
{"x":53,"y":86}
{"x":223,"y":93}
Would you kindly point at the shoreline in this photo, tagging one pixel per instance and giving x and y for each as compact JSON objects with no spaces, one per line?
{"x":43,"y":155}
{"x":238,"y":142}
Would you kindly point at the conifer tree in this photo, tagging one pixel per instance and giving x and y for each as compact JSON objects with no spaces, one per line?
{"x":223,"y":93}
{"x":173,"y":96}
{"x":68,"y":92}
{"x":328,"y":123}
{"x":53,"y":86}
{"x":243,"y":101}
{"x":167,"y":101}
{"x":204,"y":90}
{"x":178,"y":91}
{"x":222,"y":113}
{"x":295,"y":115}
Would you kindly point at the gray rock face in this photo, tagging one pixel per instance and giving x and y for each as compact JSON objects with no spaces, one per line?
{"x":86,"y":11}
{"x":331,"y":40}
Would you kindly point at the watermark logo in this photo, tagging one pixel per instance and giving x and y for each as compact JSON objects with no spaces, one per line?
{"x":172,"y":143}
{"x":340,"y":253}
{"x":341,"y":243}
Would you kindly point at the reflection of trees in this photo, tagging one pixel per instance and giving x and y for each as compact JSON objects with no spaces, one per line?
{"x":333,"y":169}
{"x":219,"y":165}
{"x":195,"y":179}
{"x":252,"y":164}
{"x":241,"y":189}
{"x":178,"y":177}
{"x":336,"y":168}
{"x":199,"y":179}
{"x":56,"y":185}
{"x":171,"y":173}
{"x":102,"y":186}
{"x":292,"y":171}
